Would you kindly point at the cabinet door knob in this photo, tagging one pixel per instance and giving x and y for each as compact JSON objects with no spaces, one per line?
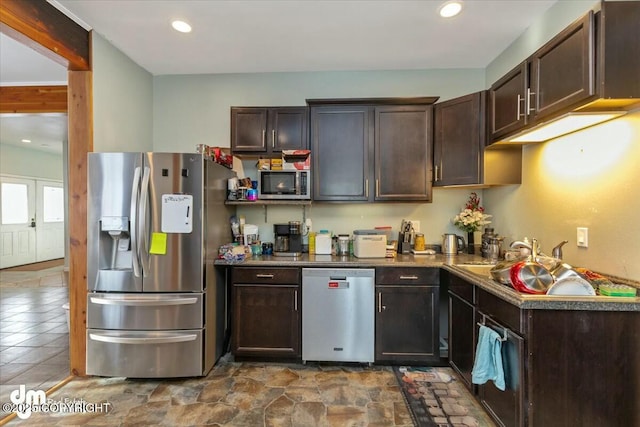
{"x":264,"y":137}
{"x":264,"y":276}
{"x":273,"y":138}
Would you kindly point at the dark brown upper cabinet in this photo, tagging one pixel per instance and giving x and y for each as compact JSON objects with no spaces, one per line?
{"x":403,"y":152}
{"x":266,"y":131}
{"x":459,"y":140}
{"x":554,"y":78}
{"x":459,"y":144}
{"x":507,"y":97}
{"x":369,"y":150}
{"x":341,"y":141}
{"x":592,"y":65}
{"x":562,"y":71}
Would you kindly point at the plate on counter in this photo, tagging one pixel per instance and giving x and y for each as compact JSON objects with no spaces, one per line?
{"x":575,"y":286}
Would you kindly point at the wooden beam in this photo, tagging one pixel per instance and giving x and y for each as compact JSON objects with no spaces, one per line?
{"x":41,"y":26}
{"x":33,"y":99}
{"x":44,"y":28}
{"x":80,"y":143}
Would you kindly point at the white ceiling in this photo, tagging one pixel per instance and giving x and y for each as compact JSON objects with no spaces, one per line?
{"x":240,"y":36}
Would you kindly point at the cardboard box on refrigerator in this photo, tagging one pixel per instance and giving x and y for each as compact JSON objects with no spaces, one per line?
{"x":296,"y":159}
{"x":276,"y":164}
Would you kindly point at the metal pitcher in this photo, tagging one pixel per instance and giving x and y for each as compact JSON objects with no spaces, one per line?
{"x":452,"y":244}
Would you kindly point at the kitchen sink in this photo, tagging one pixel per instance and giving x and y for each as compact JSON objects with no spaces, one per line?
{"x":480,"y":269}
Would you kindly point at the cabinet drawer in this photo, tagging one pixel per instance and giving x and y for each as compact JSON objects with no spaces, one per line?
{"x":407,"y":276}
{"x":265,"y":275}
{"x":461,"y":288}
{"x":500,"y":310}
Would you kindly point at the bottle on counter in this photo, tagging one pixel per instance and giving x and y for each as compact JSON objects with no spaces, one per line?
{"x":312,"y":242}
{"x":486,"y":240}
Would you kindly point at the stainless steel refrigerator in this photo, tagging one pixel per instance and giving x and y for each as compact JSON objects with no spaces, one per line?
{"x":156,"y":306}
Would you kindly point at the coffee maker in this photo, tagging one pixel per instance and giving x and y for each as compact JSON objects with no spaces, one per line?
{"x":288,"y":239}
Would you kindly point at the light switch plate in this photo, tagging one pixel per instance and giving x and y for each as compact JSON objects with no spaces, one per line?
{"x":583,"y":237}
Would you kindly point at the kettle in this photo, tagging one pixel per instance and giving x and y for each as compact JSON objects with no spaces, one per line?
{"x":450,"y":245}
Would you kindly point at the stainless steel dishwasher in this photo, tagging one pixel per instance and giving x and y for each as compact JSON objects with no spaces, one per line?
{"x":338,"y":315}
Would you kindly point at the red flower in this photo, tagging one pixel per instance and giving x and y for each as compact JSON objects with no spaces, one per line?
{"x":474,"y":203}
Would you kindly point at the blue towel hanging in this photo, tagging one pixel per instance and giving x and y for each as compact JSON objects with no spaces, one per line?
{"x":488,"y":362}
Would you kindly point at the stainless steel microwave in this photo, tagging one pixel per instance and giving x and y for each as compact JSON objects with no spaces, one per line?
{"x":284,"y":184}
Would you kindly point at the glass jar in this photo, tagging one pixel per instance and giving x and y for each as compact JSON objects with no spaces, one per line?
{"x":419,"y":244}
{"x":343,"y":245}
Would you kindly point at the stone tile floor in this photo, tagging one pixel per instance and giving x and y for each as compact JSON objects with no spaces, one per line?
{"x":34,"y":339}
{"x":241,"y":394}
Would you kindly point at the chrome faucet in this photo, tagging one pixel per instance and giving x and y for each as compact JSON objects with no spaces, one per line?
{"x":556,"y":252}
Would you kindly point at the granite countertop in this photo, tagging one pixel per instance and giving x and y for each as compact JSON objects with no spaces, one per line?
{"x":549,"y":302}
{"x":450,"y":263}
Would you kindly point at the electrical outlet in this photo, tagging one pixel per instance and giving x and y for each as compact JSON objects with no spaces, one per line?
{"x":583,"y":237}
{"x":416,"y":225}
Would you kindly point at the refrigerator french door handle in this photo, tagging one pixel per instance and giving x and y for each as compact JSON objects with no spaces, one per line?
{"x":135,"y":196}
{"x":143,"y":301}
{"x":143,"y":340}
{"x":143,"y":236}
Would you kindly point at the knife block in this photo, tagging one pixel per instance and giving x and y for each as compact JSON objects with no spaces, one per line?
{"x":404,"y":247}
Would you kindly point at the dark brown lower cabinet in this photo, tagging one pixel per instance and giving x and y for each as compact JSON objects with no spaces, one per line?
{"x":266,"y":316}
{"x":584,"y":368}
{"x":462,"y":326}
{"x":506,"y":406}
{"x":563,"y":368}
{"x":407,"y":315}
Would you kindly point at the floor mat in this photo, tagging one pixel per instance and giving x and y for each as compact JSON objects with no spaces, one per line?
{"x":436,"y":398}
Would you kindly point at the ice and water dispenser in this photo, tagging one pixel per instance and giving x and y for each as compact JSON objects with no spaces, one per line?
{"x":115,"y":243}
{"x":115,"y":255}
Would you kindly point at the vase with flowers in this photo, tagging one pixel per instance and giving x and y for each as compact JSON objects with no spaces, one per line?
{"x":471,"y":219}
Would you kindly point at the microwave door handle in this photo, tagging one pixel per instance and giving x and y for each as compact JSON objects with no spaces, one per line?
{"x":297,"y":185}
{"x":135,"y":198}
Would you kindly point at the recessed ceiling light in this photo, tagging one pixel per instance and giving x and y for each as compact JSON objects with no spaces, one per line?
{"x":450,"y":9}
{"x":181,"y":26}
{"x":26,"y":141}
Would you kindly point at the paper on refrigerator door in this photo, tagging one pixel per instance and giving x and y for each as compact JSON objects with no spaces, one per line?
{"x":158,"y":244}
{"x":177,"y":213}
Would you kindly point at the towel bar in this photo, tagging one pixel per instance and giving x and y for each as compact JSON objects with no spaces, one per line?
{"x":504,"y":331}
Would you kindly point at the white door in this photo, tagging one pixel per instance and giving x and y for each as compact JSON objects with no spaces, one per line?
{"x":17,"y":221}
{"x":49,"y":220}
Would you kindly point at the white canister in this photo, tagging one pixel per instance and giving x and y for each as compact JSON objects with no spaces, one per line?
{"x":323,"y":244}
